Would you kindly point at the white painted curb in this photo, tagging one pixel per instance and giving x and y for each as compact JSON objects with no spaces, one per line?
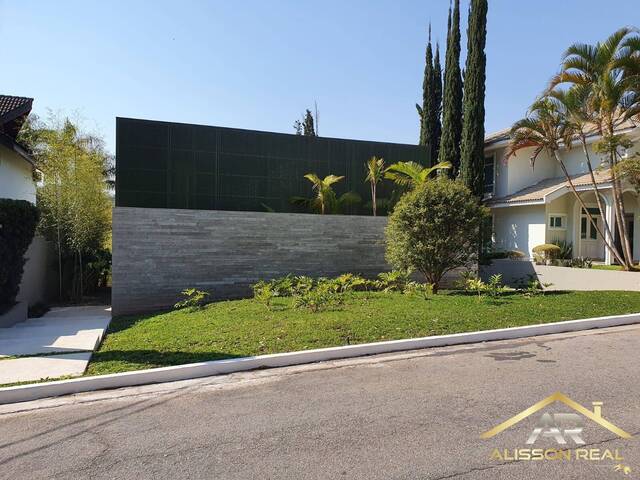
{"x":26,"y":393}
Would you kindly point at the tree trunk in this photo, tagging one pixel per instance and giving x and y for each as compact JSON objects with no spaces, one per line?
{"x":601,"y":208}
{"x":373,"y":198}
{"x":584,"y":207}
{"x":622,"y":224}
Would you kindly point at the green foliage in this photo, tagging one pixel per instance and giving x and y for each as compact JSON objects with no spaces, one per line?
{"x":629,"y":170}
{"x":434,"y":229}
{"x":494,"y":287}
{"x":72,"y":196}
{"x":321,"y":297}
{"x":326,"y":200}
{"x":566,"y":249}
{"x":18,"y":220}
{"x":375,"y":168}
{"x":531,"y":286}
{"x":393,"y":281}
{"x":263,"y":292}
{"x":412,"y":174}
{"x":192,"y":298}
{"x":472,"y":140}
{"x":452,"y":96}
{"x":306,"y":126}
{"x":581,"y":262}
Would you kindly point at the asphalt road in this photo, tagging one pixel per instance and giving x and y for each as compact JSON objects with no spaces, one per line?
{"x":416,"y":415}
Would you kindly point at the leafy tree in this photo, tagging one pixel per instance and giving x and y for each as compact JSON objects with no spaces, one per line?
{"x":437,"y":88}
{"x":375,"y":174}
{"x":472,"y":140}
{"x":609,"y":73}
{"x":326,"y":200}
{"x":412,"y":174}
{"x":452,"y":96}
{"x":306,"y":126}
{"x":434,"y":229}
{"x":72,"y":196}
{"x":429,"y":111}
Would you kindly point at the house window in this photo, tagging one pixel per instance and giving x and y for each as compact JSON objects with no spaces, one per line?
{"x":587,"y":229}
{"x":489,"y":173}
{"x":557,"y":222}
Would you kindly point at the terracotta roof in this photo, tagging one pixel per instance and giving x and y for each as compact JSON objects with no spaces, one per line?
{"x":504,"y":134}
{"x":539,"y":191}
{"x":9,"y":103}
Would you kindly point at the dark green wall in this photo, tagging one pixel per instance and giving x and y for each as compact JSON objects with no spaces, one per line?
{"x":175,"y":165}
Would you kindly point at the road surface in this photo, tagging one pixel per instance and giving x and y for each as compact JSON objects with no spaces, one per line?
{"x":415,"y":415}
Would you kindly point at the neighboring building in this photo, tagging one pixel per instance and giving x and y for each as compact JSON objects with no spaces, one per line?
{"x":17,"y":181}
{"x":16,"y":166}
{"x":532,"y":206}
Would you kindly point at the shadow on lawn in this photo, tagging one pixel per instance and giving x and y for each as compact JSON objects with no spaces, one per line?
{"x":155,"y":358}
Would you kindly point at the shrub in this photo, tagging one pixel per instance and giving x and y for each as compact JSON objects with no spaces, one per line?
{"x":415,"y":288}
{"x":18,"y":221}
{"x":434,"y":229}
{"x":264,"y":292}
{"x":566,"y":249}
{"x":393,"y":281}
{"x":193,"y":298}
{"x":581,"y":262}
{"x":546,"y":252}
{"x":318,"y":298}
{"x":515,"y":254}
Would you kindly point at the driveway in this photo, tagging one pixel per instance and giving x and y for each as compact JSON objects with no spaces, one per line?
{"x":416,"y":415}
{"x":57,"y":344}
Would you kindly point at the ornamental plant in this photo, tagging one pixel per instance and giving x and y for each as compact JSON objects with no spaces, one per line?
{"x":435,"y":229}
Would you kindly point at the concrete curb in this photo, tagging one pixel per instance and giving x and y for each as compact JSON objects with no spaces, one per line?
{"x":26,"y":393}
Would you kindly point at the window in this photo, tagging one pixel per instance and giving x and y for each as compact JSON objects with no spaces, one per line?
{"x":489,"y":173}
{"x":557,"y":222}
{"x":586,"y":227}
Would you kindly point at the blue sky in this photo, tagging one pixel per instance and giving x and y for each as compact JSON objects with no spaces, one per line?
{"x":257,"y":64}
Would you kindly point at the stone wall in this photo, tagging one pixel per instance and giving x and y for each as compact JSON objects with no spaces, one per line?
{"x":159,"y":252}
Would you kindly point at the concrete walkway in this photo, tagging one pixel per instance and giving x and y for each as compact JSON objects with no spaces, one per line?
{"x":62,"y":339}
{"x":562,"y":278}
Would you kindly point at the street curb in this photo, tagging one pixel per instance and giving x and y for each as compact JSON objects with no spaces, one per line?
{"x":24,"y":393}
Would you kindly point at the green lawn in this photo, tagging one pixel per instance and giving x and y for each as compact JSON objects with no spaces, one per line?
{"x":613,"y":267}
{"x":245,"y":327}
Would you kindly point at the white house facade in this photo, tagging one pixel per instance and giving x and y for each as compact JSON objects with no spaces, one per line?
{"x":532,"y":206}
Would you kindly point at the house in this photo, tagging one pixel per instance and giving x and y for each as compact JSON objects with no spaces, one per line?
{"x":16,"y":165}
{"x":534,"y":205}
{"x":17,"y":181}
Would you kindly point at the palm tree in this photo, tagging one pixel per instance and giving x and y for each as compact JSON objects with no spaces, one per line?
{"x":325,"y":200}
{"x":610,"y":72}
{"x":546,"y":128}
{"x":412,"y":174}
{"x":375,"y":173}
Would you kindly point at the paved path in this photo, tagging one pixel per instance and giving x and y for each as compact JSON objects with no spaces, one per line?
{"x":562,"y":278}
{"x":416,"y":415}
{"x":76,"y":330}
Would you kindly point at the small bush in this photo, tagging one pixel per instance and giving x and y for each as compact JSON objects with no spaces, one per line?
{"x":546,"y":252}
{"x":434,"y":229}
{"x":581,"y":262}
{"x":264,"y":293}
{"x":515,"y":255}
{"x":393,"y":281}
{"x":193,"y":298}
{"x":18,"y":221}
{"x":566,"y":249}
{"x":318,"y":298}
{"x":416,"y":288}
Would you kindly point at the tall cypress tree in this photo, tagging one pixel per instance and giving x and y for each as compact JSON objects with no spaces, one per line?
{"x":452,"y":98}
{"x":437,"y":89}
{"x":429,"y":113}
{"x":472,"y":145}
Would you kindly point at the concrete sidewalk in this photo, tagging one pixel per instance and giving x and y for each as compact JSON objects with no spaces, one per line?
{"x":62,"y":339}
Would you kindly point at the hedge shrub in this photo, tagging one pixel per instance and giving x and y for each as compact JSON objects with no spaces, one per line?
{"x":434,"y":229}
{"x":18,"y":220}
